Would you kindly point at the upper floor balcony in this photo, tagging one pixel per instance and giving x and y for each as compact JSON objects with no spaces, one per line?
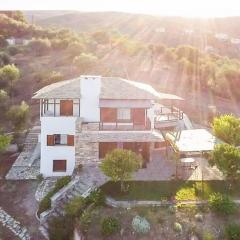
{"x":60,"y":107}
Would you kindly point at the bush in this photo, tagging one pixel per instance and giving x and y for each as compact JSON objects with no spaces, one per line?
{"x":232,"y":231}
{"x":109,"y":226}
{"x":186,"y":193}
{"x":4,"y":59}
{"x":97,"y":197}
{"x":140,"y":225}
{"x":13,"y":50}
{"x":45,"y":204}
{"x":75,"y":206}
{"x":221,"y":204}
{"x":61,"y":183}
{"x":177,"y":227}
{"x":39,"y":46}
{"x":61,"y":228}
{"x":85,"y":220}
{"x":208,"y":236}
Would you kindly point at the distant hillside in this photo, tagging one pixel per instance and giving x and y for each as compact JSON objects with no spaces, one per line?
{"x":133,"y":23}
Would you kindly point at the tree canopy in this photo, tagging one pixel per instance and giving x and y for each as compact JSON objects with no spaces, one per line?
{"x":227,"y":128}
{"x":120,"y":164}
{"x":227,"y":158}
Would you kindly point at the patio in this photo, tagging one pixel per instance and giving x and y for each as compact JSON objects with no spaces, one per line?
{"x":161,"y":168}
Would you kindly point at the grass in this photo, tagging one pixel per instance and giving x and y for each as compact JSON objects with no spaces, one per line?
{"x":166,"y":190}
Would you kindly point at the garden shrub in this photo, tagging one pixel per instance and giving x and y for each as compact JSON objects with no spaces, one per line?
{"x":199,"y":217}
{"x":85,"y":220}
{"x":177,"y":227}
{"x":208,"y":236}
{"x":221,"y":204}
{"x":186,"y":193}
{"x":109,"y":226}
{"x":140,"y":224}
{"x":61,"y":182}
{"x":97,"y":197}
{"x":75,"y":206}
{"x":172,"y":209}
{"x":60,"y":228}
{"x":232,"y":231}
{"x":45,"y":204}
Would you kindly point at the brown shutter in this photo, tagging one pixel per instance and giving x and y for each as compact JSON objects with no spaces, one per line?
{"x":50,"y":140}
{"x":59,"y":165}
{"x":105,"y":147}
{"x":66,"y":107}
{"x":108,"y":114}
{"x":138,"y":116}
{"x":70,"y":140}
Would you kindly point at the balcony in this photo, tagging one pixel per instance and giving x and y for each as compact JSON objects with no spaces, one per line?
{"x":167,"y":117}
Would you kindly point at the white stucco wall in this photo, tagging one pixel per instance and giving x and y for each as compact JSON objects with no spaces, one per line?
{"x":56,"y":125}
{"x":89,"y":104}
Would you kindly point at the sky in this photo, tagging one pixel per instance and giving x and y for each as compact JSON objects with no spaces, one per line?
{"x":185,"y":8}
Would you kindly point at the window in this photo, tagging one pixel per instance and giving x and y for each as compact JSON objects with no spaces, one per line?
{"x":59,"y":165}
{"x":60,"y":139}
{"x":124,"y":114}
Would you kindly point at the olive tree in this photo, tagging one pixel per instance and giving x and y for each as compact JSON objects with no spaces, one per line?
{"x":85,"y":61}
{"x":227,"y":158}
{"x":120,"y":164}
{"x":227,"y":128}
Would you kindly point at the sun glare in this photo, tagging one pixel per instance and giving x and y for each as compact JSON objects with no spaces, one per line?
{"x":184,"y":8}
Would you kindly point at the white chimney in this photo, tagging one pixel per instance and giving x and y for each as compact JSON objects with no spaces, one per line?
{"x":90,"y":87}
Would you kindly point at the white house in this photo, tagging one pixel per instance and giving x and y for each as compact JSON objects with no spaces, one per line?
{"x":84,"y":118}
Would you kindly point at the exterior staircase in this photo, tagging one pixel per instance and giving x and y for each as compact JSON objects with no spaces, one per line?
{"x":27,"y":164}
{"x":89,"y":179}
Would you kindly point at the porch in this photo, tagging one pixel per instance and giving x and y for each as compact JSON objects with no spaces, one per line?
{"x":163,"y":168}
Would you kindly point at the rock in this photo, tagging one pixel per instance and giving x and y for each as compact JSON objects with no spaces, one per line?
{"x":199,"y":217}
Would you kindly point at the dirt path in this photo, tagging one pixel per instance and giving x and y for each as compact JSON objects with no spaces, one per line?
{"x":17,"y":198}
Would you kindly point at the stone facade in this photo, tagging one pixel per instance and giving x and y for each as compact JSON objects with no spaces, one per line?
{"x":88,"y":137}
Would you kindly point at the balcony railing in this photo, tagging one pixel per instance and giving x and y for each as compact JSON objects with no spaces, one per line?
{"x":168,"y":114}
{"x":121,"y":126}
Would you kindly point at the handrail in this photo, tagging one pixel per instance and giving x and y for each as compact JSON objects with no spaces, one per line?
{"x":121,"y":126}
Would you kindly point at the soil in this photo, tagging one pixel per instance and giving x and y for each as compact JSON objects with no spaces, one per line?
{"x":6,"y":161}
{"x":17,"y":198}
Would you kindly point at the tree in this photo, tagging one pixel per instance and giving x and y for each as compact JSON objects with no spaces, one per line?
{"x":227,"y":158}
{"x":227,"y":128}
{"x":4,"y":141}
{"x":18,"y":115}
{"x":40,"y":46}
{"x":101,"y":37}
{"x":85,"y":61}
{"x":9,"y":74}
{"x":120,"y":164}
{"x":4,"y":59}
{"x":75,"y":48}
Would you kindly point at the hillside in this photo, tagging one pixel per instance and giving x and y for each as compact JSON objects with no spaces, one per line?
{"x":203,"y":79}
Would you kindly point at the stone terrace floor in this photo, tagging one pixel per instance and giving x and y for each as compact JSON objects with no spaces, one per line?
{"x":160,"y":168}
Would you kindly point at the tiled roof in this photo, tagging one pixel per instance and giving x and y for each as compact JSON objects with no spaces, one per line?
{"x":111,"y":88}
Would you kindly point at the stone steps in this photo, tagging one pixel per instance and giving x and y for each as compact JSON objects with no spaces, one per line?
{"x":81,"y":185}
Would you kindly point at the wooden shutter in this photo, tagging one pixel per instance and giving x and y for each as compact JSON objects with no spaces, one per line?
{"x":108,"y":114}
{"x":59,"y":165}
{"x":70,"y":140}
{"x":105,"y":147}
{"x":50,"y":140}
{"x":66,"y":107}
{"x":138,"y":116}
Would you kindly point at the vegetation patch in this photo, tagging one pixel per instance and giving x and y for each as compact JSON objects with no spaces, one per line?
{"x":167,"y":190}
{"x":45,"y":204}
{"x":109,"y":226}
